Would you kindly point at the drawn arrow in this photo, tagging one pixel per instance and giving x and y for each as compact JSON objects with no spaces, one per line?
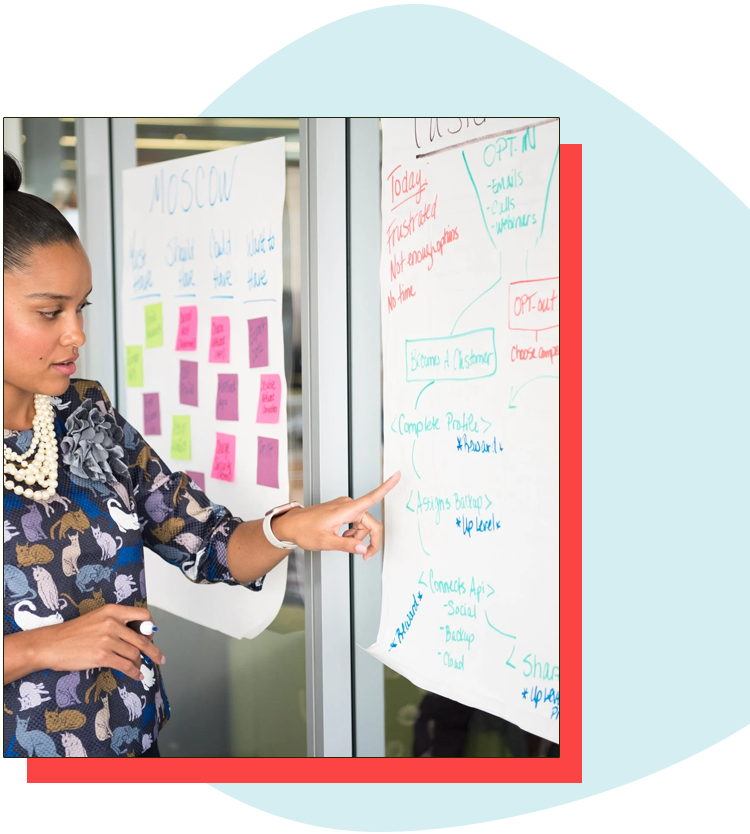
{"x":420,"y":579}
{"x":419,"y":528}
{"x":392,"y":424}
{"x":488,"y":424}
{"x":414,"y":467}
{"x":528,"y":382}
{"x":407,"y":503}
{"x":512,"y":636}
{"x":422,"y":392}
{"x":489,"y":503}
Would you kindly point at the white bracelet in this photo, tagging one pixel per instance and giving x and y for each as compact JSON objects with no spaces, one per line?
{"x":267,"y":525}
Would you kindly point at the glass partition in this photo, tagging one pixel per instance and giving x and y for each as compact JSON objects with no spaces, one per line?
{"x":242,"y":697}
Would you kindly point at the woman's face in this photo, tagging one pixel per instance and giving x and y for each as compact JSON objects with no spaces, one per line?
{"x":43,"y":318}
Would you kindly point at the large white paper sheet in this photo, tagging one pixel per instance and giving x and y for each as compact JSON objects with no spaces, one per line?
{"x":201,"y":312}
{"x":470,"y":309}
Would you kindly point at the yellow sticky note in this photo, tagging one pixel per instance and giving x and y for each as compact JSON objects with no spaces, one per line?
{"x":154,"y":327}
{"x":181,"y":448}
{"x":134,"y":366}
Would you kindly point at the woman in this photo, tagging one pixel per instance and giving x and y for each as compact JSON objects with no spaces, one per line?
{"x":83,"y":493}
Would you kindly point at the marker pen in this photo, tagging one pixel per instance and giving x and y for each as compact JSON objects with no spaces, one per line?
{"x":145,"y":627}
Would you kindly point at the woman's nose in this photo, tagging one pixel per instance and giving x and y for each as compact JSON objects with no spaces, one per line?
{"x":74,"y":336}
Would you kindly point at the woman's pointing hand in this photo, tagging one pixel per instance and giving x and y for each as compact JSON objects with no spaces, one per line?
{"x":317,"y":527}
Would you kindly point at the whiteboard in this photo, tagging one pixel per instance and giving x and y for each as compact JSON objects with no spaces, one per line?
{"x":470,"y":294}
{"x":202,"y":323}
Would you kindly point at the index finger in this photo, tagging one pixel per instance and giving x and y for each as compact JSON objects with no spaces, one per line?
{"x":379,"y":493}
{"x":127,"y":613}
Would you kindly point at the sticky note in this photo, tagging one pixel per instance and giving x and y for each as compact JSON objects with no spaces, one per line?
{"x":181,"y":446}
{"x":151,"y":414}
{"x":258,"y":335}
{"x":218,"y":350}
{"x":268,"y":462}
{"x":226,"y":397}
{"x":198,"y":478}
{"x":269,"y":400}
{"x":134,"y":366}
{"x":154,"y":326}
{"x":188,"y":382}
{"x":223,"y":466}
{"x":187,"y":329}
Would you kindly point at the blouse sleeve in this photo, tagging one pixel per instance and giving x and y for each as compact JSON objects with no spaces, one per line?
{"x":178,"y":520}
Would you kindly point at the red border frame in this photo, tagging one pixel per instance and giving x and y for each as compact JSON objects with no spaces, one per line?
{"x":568,"y":768}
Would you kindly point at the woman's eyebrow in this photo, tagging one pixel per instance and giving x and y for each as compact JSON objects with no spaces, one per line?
{"x":53,"y":296}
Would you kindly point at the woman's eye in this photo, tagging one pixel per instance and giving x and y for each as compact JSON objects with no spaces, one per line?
{"x":85,"y":304}
{"x":51,"y":315}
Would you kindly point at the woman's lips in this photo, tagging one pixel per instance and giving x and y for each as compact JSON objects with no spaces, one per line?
{"x":66,"y":369}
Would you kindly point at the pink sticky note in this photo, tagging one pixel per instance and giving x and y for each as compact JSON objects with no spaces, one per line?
{"x":268,"y":462}
{"x":226,"y":397}
{"x":151,"y":414}
{"x":219,"y":348}
{"x":258,"y":334}
{"x":223,"y":468}
{"x":187,"y":329}
{"x":198,"y":477}
{"x":188,"y":382}
{"x":269,"y":400}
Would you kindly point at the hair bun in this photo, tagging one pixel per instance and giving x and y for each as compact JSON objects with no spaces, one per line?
{"x":11,"y":173}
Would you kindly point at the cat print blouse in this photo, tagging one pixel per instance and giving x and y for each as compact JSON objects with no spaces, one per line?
{"x":82,"y":549}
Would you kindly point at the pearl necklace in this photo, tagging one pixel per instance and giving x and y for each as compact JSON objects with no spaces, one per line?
{"x":42,"y":470}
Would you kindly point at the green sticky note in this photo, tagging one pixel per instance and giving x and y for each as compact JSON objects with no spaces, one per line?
{"x":134,"y":366}
{"x":181,"y":449}
{"x":154,"y":328}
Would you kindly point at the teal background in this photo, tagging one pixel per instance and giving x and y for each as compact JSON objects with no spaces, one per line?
{"x":666,"y":296}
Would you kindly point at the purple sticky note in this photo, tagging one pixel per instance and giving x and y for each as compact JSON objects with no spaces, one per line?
{"x":187,"y":329}
{"x":269,"y":400}
{"x":223,"y":467}
{"x":218,"y":350}
{"x":188,"y":382}
{"x":151,"y":414}
{"x":226,"y":397}
{"x":258,"y":333}
{"x":198,"y":477}
{"x":268,"y":462}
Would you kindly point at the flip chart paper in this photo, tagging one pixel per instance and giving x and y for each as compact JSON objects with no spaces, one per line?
{"x":219,"y":347}
{"x":227,"y":397}
{"x":269,"y":399}
{"x":134,"y":366}
{"x":188,"y":382}
{"x":154,"y":326}
{"x":258,"y":339}
{"x":268,"y":462}
{"x":202,"y":236}
{"x":187,"y":329}
{"x":470,"y":299}
{"x":151,"y":414}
